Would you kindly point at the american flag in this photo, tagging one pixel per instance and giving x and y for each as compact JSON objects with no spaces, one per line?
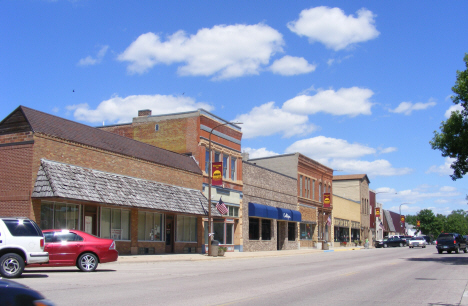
{"x":328,"y":221}
{"x":381,"y":225}
{"x":221,"y":207}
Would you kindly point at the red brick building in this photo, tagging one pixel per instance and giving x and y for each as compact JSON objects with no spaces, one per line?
{"x":65,"y":174}
{"x":188,"y":133}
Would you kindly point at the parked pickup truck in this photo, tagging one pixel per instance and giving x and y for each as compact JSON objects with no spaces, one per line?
{"x":450,"y":242}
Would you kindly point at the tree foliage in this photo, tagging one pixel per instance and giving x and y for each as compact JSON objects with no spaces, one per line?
{"x":433,"y":225}
{"x":452,"y":140}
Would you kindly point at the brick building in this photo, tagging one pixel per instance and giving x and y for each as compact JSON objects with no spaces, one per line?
{"x":269,"y":215}
{"x":65,"y":174}
{"x":313,"y":180}
{"x":188,"y":133}
{"x":356,"y":188}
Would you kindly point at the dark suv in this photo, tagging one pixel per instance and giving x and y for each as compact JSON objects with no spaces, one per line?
{"x":450,"y":242}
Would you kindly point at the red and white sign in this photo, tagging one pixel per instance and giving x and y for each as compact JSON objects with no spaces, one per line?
{"x":326,"y":200}
{"x":217,"y":174}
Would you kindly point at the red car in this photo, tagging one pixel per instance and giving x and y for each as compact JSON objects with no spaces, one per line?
{"x":77,"y":248}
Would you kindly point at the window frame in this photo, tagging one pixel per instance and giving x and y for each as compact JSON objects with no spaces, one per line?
{"x":112,"y":210}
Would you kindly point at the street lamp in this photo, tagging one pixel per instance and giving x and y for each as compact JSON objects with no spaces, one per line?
{"x":400,"y":214}
{"x":209,"y":184}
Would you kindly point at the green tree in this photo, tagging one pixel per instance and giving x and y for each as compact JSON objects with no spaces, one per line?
{"x":456,"y":222}
{"x":427,"y":218}
{"x":452,"y":140}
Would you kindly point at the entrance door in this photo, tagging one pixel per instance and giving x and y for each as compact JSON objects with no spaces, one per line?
{"x":169,"y":234}
{"x":90,"y":220}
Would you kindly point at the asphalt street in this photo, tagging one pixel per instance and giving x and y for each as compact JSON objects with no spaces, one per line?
{"x":392,"y":276}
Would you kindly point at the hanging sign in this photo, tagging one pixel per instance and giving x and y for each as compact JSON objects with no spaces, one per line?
{"x":377,"y":212}
{"x":402,"y":219}
{"x":217,"y":171}
{"x":418,"y":223}
{"x":326,"y":199}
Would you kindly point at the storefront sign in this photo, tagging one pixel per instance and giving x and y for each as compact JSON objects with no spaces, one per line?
{"x":377,"y":212}
{"x":286,"y":216}
{"x":217,"y":171}
{"x":326,"y":199}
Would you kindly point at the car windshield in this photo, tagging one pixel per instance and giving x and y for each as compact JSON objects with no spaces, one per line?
{"x":417,"y":238}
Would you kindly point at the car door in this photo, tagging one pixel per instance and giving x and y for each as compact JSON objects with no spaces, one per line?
{"x":64,"y":248}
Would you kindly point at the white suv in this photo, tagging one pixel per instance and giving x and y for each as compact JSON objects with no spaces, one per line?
{"x":21,"y":243}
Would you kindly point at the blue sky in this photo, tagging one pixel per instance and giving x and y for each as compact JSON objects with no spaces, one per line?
{"x":359,"y":86}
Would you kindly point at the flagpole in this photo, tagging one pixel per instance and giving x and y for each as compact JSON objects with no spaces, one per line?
{"x":210,"y":222}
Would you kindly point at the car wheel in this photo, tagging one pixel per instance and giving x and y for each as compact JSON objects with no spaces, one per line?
{"x":11,"y":265}
{"x":87,"y":262}
{"x":440,"y":251}
{"x":401,"y":245}
{"x":457,"y":251}
{"x":385,"y":245}
{"x":465,"y":250}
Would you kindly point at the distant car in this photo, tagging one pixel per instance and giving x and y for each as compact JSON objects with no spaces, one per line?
{"x":390,"y":242}
{"x":450,"y":242}
{"x":429,"y":239}
{"x":13,"y":293}
{"x":77,"y":248}
{"x":406,"y":238}
{"x":417,"y":242}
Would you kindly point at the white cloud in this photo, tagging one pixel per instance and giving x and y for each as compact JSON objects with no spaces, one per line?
{"x":340,"y":154}
{"x":453,"y":108}
{"x":289,"y":65}
{"x":322,"y":147}
{"x":89,"y":60}
{"x":266,"y":120}
{"x":407,"y":107}
{"x":374,"y":168}
{"x":346,"y":101}
{"x":443,"y":170}
{"x":258,"y":153}
{"x":222,"y":51}
{"x":333,"y":28}
{"x":387,"y":150}
{"x":120,"y":110}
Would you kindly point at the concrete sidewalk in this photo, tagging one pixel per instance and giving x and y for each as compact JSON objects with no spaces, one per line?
{"x":227,"y":255}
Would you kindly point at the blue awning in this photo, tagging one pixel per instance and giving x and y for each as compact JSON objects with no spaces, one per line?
{"x":289,"y":215}
{"x":262,"y":211}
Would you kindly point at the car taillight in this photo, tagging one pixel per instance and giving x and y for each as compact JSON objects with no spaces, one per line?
{"x":112,"y":246}
{"x":42,"y":243}
{"x":436,"y":242}
{"x":454,"y":242}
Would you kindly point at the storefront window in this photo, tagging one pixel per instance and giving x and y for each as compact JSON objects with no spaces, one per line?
{"x":291,"y":231}
{"x":229,"y":233}
{"x":266,"y":229}
{"x":223,"y":232}
{"x":254,"y":229}
{"x":341,"y":234}
{"x":60,"y":216}
{"x":150,"y":226}
{"x":115,"y":224}
{"x":354,"y":234}
{"x":306,"y":231}
{"x":186,"y":229}
{"x":218,"y":229}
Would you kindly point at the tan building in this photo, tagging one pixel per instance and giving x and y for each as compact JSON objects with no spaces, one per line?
{"x":356,"y":188}
{"x":346,"y":221}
